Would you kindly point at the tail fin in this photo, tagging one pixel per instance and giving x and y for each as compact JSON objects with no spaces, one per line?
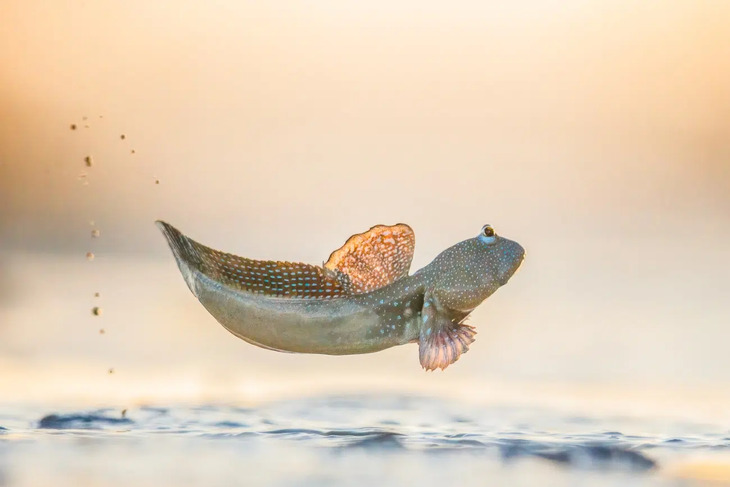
{"x":265,"y":277}
{"x":185,"y":252}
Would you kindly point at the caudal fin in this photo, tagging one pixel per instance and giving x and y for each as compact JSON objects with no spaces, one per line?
{"x":264,"y":277}
{"x":185,"y":251}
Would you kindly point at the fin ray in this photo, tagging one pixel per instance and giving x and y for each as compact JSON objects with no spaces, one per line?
{"x":442,"y":341}
{"x":445,"y":345}
{"x":373,"y":259}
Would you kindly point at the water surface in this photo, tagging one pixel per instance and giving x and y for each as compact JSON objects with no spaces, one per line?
{"x":346,"y":440}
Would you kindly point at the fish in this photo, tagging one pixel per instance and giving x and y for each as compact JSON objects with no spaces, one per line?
{"x":361,"y":300}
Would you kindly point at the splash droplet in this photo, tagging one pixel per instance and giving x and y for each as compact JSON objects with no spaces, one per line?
{"x":122,"y":136}
{"x":95,"y":233}
{"x":96,"y":311}
{"x":88,"y":161}
{"x":96,"y":295}
{"x":89,"y":255}
{"x":111,"y":370}
{"x":73,"y":126}
{"x":101,"y":331}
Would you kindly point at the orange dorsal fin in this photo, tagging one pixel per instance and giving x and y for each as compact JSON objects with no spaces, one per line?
{"x":373,"y":259}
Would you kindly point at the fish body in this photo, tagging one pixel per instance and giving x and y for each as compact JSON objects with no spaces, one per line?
{"x":361,"y":301}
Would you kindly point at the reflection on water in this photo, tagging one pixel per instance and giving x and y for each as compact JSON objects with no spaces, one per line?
{"x":353,"y":440}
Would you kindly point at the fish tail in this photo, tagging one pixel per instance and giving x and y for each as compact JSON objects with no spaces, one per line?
{"x":262,"y":277}
{"x":185,"y":251}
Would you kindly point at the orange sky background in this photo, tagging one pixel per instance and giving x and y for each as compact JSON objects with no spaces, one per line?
{"x":597,"y":134}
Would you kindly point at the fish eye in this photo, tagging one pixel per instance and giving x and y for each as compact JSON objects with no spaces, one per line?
{"x":488,"y":235}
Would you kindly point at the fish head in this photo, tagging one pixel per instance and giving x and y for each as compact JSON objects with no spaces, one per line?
{"x":467,"y":273}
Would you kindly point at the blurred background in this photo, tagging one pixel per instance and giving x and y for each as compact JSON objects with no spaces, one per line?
{"x":596,"y":134}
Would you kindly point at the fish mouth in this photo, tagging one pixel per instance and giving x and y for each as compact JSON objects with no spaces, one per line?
{"x":504,"y":281}
{"x":519,"y":263}
{"x":516,"y":267}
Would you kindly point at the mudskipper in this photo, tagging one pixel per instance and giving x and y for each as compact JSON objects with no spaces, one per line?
{"x":361,"y":300}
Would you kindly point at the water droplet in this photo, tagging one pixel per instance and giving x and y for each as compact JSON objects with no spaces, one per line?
{"x":88,"y":161}
{"x":96,"y":295}
{"x":122,"y":136}
{"x":89,"y":256}
{"x":73,"y":126}
{"x":101,"y":331}
{"x":95,"y":233}
{"x":111,"y":370}
{"x":96,"y":311}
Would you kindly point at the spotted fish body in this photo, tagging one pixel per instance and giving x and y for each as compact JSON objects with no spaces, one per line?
{"x":361,"y":300}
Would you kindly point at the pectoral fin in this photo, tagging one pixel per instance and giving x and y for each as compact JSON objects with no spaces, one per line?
{"x":441,"y":340}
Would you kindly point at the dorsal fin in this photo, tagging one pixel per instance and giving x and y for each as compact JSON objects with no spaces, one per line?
{"x":266,"y":277}
{"x":373,"y":259}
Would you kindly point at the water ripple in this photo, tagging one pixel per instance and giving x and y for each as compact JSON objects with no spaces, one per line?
{"x":81,"y":421}
{"x":405,"y":427}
